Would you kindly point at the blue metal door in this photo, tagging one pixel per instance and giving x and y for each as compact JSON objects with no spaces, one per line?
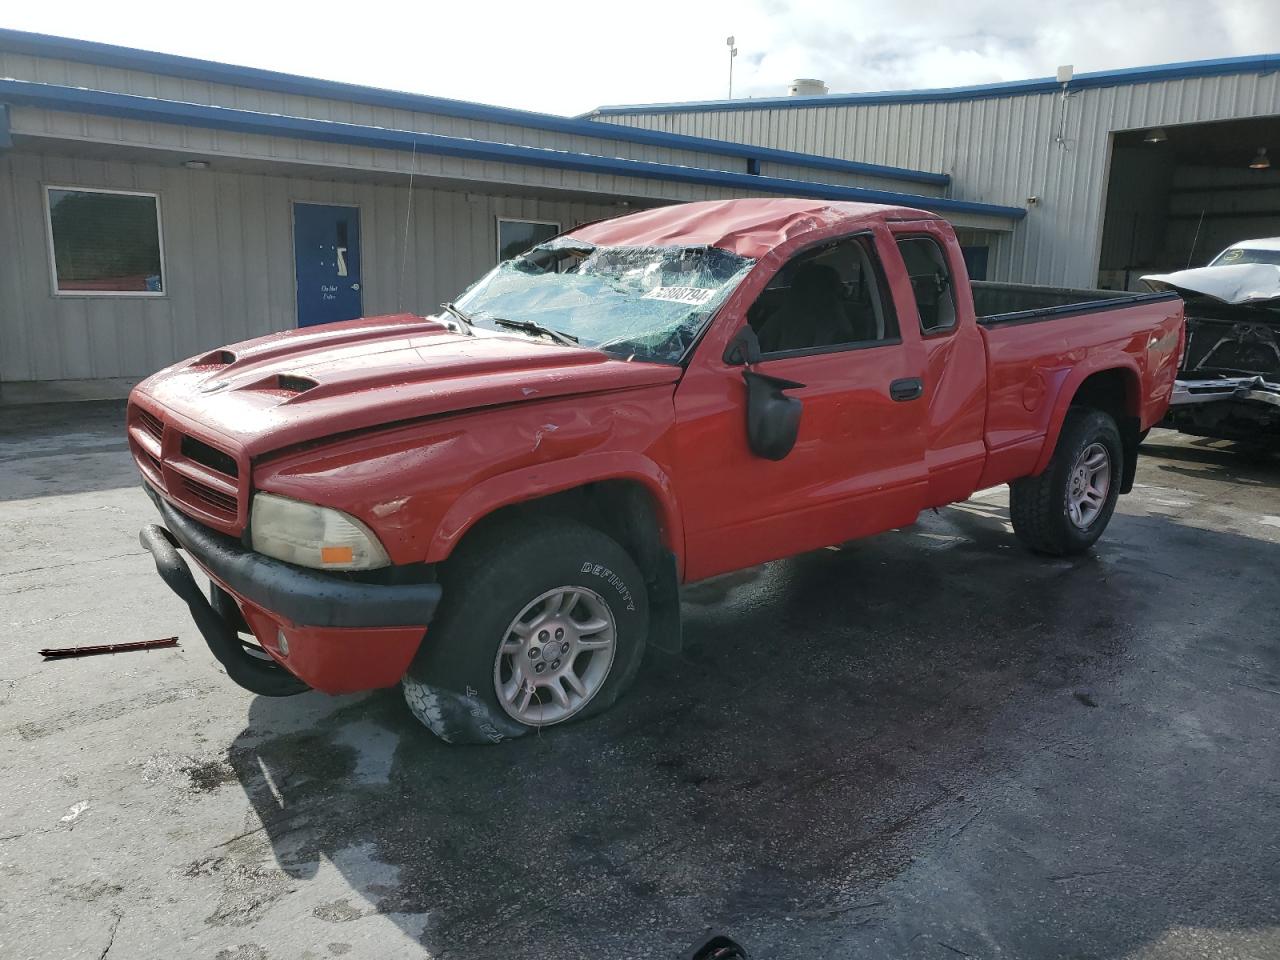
{"x":326,"y":253}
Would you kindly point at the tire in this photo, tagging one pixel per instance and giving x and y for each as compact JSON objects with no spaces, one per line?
{"x":1041,"y":508}
{"x":510,"y":576}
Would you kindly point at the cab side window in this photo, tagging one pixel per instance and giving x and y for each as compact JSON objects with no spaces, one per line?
{"x":930,"y":283}
{"x":825,"y":299}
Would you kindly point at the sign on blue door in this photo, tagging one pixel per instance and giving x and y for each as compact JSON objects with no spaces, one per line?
{"x":326,"y":251}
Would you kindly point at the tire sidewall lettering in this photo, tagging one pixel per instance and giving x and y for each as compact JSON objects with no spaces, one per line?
{"x":612,"y":579}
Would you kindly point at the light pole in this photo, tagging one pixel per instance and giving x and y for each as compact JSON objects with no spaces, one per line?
{"x":733,"y":52}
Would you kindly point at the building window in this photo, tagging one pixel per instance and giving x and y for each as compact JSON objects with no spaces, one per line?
{"x":517,"y":236}
{"x":105,"y":242}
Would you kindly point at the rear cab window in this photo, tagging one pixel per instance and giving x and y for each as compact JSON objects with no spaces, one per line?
{"x":931,"y":283}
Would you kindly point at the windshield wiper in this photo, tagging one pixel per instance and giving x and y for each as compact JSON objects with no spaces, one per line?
{"x":531,"y":326}
{"x":461,"y":317}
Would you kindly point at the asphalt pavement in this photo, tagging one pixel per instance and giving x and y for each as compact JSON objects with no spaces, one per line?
{"x":928,"y":744}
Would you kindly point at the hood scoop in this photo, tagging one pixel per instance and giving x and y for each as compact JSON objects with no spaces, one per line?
{"x":286,"y":385}
{"x":293,"y":383}
{"x":213,"y":360}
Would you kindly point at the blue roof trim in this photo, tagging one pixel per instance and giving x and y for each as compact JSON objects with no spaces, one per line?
{"x":1265,"y":63}
{"x":126,"y":58}
{"x":80,"y":100}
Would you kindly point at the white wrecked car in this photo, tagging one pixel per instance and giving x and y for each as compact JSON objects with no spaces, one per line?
{"x":1228,"y":384}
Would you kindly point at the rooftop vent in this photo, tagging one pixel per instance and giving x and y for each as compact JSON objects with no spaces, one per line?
{"x":807,"y":87}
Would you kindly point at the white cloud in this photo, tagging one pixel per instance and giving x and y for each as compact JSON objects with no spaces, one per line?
{"x":570,"y":58}
{"x":931,"y":43}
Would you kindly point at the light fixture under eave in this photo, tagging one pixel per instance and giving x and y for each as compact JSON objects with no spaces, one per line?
{"x":196,"y":164}
{"x":1156,"y":135}
{"x":1260,"y":161}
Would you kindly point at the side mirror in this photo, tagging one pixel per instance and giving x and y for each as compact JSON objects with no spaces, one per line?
{"x":773,"y":418}
{"x":743,"y":349}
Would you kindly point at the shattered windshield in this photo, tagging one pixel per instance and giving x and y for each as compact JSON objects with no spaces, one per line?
{"x":650,"y":303}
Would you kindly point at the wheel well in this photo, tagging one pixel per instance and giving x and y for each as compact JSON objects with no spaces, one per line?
{"x":1115,"y":392}
{"x":623,"y":509}
{"x":1111,"y":391}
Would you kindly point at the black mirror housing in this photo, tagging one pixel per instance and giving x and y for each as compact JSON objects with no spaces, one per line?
{"x":743,"y":349}
{"x":773,"y":418}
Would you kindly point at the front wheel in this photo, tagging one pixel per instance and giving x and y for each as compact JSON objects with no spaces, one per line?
{"x":1066,"y":508}
{"x":542,"y":622}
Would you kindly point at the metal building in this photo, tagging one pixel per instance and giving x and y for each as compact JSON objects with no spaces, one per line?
{"x":153,"y":207}
{"x":1122,"y":172}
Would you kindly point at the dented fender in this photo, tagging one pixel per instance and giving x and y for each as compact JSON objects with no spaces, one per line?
{"x":533,"y":482}
{"x":421,"y":486}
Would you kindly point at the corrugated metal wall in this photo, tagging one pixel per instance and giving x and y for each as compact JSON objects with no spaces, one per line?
{"x":999,"y":150}
{"x":228,"y":241}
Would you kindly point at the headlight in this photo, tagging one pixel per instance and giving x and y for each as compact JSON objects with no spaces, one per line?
{"x":312,"y":536}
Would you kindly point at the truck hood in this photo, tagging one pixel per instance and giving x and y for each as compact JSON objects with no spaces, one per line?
{"x":304,"y":385}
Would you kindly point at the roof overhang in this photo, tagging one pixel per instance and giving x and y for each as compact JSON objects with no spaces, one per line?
{"x":99,"y":103}
{"x":126,"y":58}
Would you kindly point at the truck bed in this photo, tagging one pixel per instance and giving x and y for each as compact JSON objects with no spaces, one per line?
{"x":1005,"y":303}
{"x":1034,"y":365}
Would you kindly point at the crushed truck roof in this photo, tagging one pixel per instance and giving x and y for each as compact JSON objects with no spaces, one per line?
{"x":749,"y":227}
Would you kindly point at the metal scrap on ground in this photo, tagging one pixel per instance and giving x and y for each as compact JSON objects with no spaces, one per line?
{"x":57,"y":653}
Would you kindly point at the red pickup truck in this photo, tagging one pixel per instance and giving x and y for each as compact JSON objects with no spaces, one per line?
{"x":496,"y":506}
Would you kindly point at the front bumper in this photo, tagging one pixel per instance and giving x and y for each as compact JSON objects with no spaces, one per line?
{"x":1240,"y":409}
{"x":1255,"y":389}
{"x":320,"y":630}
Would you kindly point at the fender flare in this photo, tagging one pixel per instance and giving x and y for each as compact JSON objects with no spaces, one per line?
{"x":1067,"y":392}
{"x":530,"y":483}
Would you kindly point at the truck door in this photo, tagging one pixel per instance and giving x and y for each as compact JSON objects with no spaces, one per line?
{"x":826,"y":324}
{"x":934,"y":298}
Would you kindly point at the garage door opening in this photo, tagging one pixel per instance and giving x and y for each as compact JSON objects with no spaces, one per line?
{"x":1177,"y":195}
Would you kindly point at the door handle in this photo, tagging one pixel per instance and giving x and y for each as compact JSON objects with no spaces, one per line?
{"x":908,"y":388}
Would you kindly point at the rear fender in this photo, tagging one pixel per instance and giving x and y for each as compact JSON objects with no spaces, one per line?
{"x":1071,"y":386}
{"x":531,"y":483}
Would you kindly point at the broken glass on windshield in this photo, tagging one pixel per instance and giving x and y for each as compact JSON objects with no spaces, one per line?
{"x":650,"y":303}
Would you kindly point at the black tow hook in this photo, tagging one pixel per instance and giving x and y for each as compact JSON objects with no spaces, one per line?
{"x":263,"y":677}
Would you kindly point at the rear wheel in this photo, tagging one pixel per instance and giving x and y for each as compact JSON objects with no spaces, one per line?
{"x":542,"y":622}
{"x":1065,"y":509}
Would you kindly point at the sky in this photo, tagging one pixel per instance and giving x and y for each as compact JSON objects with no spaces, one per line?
{"x":568,"y":58}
